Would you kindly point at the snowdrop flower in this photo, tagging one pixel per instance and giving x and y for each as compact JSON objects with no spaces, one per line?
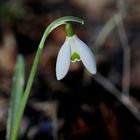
{"x":74,"y":50}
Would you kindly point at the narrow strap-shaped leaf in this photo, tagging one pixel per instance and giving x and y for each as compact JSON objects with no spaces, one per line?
{"x":16,"y":95}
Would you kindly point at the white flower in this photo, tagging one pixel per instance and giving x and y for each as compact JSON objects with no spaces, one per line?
{"x":74,"y":50}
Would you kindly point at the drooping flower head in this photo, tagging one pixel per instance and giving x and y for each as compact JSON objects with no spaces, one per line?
{"x":74,"y":50}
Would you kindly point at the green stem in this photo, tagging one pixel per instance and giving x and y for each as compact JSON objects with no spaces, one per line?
{"x":25,"y":97}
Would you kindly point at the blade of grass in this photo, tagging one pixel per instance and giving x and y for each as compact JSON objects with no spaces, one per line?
{"x":16,"y":95}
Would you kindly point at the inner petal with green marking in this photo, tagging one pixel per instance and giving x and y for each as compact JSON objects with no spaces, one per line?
{"x":75,"y":57}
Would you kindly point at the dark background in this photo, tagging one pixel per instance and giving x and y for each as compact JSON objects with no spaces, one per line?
{"x":81,"y":106}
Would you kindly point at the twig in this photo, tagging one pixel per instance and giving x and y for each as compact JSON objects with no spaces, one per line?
{"x":121,"y":96}
{"x":107,"y":29}
{"x":118,"y":94}
{"x":126,"y":52}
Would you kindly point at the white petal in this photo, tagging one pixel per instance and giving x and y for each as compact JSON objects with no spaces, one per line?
{"x":86,"y":55}
{"x":63,"y":60}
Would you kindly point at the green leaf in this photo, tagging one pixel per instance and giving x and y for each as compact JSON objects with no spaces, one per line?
{"x":16,"y":95}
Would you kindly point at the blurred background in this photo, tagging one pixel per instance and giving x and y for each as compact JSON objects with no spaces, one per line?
{"x":80,"y":106}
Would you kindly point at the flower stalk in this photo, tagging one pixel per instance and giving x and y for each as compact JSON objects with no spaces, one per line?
{"x":49,"y":29}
